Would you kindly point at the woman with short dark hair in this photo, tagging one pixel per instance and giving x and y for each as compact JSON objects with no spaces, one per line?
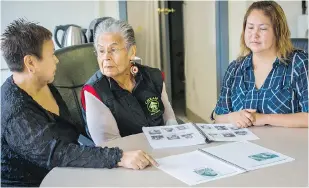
{"x":37,"y":133}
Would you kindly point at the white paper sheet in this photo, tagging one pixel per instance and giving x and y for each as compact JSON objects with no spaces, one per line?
{"x":226,"y":132}
{"x":248,"y":155}
{"x":173,"y":136}
{"x":196,"y":167}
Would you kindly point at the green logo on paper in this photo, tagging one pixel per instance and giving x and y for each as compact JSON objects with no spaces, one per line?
{"x":153,"y":105}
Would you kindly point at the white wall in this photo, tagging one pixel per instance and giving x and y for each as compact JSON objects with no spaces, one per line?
{"x":109,"y":8}
{"x":237,"y":10}
{"x":52,"y":13}
{"x":200,"y":57}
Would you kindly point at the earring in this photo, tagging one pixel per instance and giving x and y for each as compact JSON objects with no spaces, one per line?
{"x":134,"y":69}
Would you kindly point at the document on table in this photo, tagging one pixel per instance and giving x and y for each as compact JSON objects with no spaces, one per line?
{"x":173,"y":136}
{"x":219,"y":162}
{"x":192,"y":134}
{"x":195,"y":167}
{"x":248,"y":155}
{"x":226,"y":132}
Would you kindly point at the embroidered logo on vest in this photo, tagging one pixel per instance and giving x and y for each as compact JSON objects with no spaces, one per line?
{"x":153,"y":105}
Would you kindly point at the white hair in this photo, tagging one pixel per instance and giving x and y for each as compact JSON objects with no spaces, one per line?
{"x":112,"y":25}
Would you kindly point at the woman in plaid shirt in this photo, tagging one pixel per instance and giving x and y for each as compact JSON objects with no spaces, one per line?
{"x":268,"y":83}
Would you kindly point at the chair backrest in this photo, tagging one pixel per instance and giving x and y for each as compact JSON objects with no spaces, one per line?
{"x":300,"y":43}
{"x":76,"y":65}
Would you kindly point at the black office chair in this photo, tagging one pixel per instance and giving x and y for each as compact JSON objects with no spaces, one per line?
{"x":76,"y":65}
{"x":300,"y":43}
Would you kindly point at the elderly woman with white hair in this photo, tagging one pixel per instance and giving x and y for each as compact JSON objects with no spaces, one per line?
{"x":123,"y":96}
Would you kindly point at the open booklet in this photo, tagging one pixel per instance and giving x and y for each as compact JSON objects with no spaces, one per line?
{"x":218,"y":162}
{"x":192,"y":134}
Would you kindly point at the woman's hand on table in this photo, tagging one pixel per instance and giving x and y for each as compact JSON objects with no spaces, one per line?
{"x":242,"y":119}
{"x":136,"y":160}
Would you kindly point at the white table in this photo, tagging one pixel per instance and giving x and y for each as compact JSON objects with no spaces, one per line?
{"x":288,"y":141}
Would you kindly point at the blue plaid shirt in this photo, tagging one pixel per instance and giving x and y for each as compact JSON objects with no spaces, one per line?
{"x":284,"y":91}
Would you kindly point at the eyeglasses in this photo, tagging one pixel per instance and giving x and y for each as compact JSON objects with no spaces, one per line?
{"x":112,"y":51}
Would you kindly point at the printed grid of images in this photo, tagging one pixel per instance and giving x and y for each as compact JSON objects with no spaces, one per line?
{"x":168,"y":133}
{"x":179,"y":132}
{"x":219,"y":131}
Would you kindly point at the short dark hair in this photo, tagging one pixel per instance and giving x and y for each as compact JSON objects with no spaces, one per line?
{"x":22,"y":38}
